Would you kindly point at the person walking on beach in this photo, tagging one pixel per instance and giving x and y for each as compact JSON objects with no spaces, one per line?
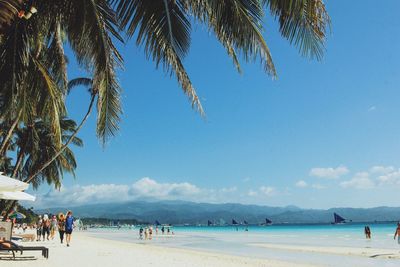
{"x":39,"y":225}
{"x":150,"y":232}
{"x":69,"y":226}
{"x":53,"y":226}
{"x":46,"y":227}
{"x":141,"y":233}
{"x":61,"y":226}
{"x":397,"y":233}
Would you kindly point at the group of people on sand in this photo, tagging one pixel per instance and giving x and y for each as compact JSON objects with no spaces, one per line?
{"x":47,"y":225}
{"x":146,"y":233}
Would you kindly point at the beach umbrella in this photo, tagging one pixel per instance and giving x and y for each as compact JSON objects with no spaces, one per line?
{"x":18,"y":195}
{"x":9,"y":184}
{"x":17,"y":215}
{"x":11,"y":189}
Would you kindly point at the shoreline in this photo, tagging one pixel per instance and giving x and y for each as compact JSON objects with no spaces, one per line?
{"x":87,"y":250}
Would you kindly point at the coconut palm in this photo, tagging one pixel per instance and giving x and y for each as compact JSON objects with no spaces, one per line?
{"x":163,"y":27}
{"x":28,"y":82}
{"x":72,"y":136}
{"x":33,"y":76}
{"x":36,"y":146}
{"x":39,"y":147}
{"x":87,"y":26}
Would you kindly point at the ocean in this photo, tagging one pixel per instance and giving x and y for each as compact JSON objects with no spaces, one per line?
{"x":236,"y":241}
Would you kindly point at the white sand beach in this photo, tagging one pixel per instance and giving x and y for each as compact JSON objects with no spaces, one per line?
{"x":89,"y":251}
{"x":368,"y":252}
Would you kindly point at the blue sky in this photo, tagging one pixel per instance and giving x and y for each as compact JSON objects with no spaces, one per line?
{"x":325,"y":134}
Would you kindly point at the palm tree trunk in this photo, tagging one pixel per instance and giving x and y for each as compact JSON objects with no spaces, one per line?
{"x":6,"y":138}
{"x":20,"y":159}
{"x":61,"y":54}
{"x":45,"y":165}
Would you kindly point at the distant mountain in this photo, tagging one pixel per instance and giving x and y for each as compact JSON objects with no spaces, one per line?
{"x":182,"y":212}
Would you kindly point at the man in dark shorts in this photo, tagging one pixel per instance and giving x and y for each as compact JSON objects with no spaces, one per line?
{"x":69,"y":226}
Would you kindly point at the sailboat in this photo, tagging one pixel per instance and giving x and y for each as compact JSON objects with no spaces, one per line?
{"x":209,"y":223}
{"x":234,"y":222}
{"x":338,"y":219}
{"x":267,"y":222}
{"x":157,"y":223}
{"x":245,"y":222}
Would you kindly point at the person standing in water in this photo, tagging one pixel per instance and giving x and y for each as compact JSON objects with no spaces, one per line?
{"x":367,"y":232}
{"x":69,"y":226}
{"x":397,"y":233}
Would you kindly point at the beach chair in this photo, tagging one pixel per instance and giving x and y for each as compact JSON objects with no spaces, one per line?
{"x":7,"y":245}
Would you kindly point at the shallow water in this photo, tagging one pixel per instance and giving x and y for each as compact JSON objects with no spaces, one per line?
{"x":237,"y":241}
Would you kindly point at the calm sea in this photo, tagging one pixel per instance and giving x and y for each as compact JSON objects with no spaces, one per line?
{"x":238,"y":241}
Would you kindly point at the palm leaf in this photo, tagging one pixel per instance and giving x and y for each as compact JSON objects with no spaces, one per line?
{"x":164,"y":30}
{"x":95,"y":20}
{"x":303,"y":23}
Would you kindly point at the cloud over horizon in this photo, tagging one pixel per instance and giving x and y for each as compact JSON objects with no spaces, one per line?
{"x":142,"y":189}
{"x":329,"y":173}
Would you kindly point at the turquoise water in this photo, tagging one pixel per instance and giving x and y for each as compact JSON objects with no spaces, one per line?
{"x":237,"y":241}
{"x":353,"y":228}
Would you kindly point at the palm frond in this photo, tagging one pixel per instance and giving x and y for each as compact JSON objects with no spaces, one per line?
{"x":95,"y":20}
{"x":163,"y":28}
{"x":303,"y":22}
{"x":87,"y":82}
{"x":238,"y":26}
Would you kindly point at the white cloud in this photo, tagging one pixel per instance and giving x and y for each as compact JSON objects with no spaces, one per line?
{"x":301,"y":184}
{"x":252,"y":193}
{"x":360,"y":181}
{"x":329,"y":173}
{"x":268,"y":190}
{"x":391,"y":178}
{"x":147,"y":189}
{"x":229,"y":189}
{"x":372,"y":108}
{"x":382,"y":169}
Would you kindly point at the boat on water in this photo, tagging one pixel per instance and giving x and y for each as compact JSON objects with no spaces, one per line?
{"x":234,"y":222}
{"x":210,"y":223}
{"x":267,"y":222}
{"x":338,"y":219}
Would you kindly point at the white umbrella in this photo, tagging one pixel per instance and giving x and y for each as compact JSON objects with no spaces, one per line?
{"x":17,"y":196}
{"x":10,"y":184}
{"x":12,"y":189}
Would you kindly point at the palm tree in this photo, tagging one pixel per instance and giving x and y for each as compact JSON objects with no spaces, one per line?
{"x":39,"y":144}
{"x":72,"y":137}
{"x":33,"y":66}
{"x":28,"y":81}
{"x":163,"y":27}
{"x":36,"y":146}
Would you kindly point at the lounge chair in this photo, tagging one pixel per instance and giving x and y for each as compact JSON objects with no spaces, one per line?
{"x":7,"y":245}
{"x":13,"y":248}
